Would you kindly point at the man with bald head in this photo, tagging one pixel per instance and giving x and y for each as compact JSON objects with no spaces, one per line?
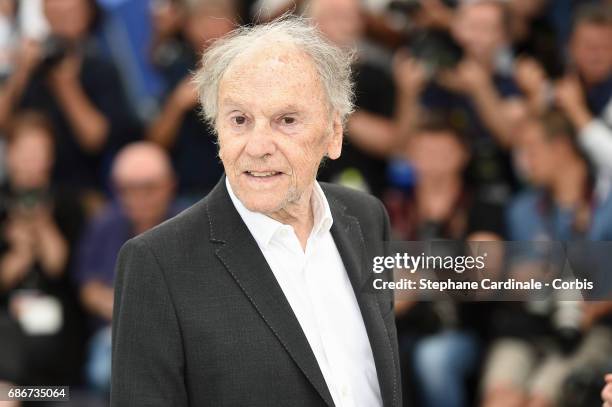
{"x":143,"y":182}
{"x":256,"y":295}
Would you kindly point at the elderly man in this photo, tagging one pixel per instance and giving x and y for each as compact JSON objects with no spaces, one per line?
{"x":255,"y":295}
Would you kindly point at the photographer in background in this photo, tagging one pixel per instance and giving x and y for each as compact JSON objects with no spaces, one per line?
{"x":585,"y":93}
{"x":467,"y":76}
{"x":440,"y":340}
{"x":540,"y":343}
{"x":144,"y":182}
{"x":38,"y":228}
{"x":80,"y":92}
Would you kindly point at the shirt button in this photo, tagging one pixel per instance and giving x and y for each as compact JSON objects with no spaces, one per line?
{"x":344,"y":391}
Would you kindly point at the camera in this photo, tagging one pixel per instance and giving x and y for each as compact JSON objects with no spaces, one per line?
{"x":584,"y":384}
{"x":22,"y":203}
{"x":54,"y":50}
{"x":436,"y":49}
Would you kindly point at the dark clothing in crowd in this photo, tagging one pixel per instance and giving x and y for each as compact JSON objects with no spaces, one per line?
{"x":455,"y":329}
{"x":194,"y":153}
{"x":374,"y":93}
{"x":12,"y":355}
{"x":97,"y":251}
{"x":598,"y":96}
{"x":49,"y":358}
{"x":75,"y":167}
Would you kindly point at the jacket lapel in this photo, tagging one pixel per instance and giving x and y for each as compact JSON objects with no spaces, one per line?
{"x":242,"y":258}
{"x":348,"y":237}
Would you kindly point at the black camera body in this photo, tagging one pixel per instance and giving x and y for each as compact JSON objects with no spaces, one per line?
{"x":583,"y":386}
{"x":54,"y":50}
{"x":437,"y":50}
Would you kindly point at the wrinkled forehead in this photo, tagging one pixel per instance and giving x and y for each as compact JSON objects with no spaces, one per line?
{"x":272,"y":76}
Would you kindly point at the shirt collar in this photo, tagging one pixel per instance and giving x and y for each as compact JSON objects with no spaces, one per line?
{"x":264,"y":228}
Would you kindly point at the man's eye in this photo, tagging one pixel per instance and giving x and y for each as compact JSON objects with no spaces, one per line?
{"x":239,"y":120}
{"x":288,"y":120}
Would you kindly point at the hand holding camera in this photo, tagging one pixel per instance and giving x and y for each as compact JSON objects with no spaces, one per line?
{"x":32,"y":237}
{"x":410,"y":74}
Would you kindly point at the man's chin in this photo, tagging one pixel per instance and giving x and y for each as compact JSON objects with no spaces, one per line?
{"x":265,"y":205}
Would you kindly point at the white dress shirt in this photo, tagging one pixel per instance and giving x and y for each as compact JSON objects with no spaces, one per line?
{"x":319,"y":291}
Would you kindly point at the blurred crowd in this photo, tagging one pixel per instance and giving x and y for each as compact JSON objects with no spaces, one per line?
{"x":476,"y":120}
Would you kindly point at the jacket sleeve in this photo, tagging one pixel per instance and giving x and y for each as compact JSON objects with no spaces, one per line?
{"x":148,"y":361}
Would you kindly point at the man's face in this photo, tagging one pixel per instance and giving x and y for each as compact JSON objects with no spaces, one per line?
{"x":145,"y":189}
{"x":592,"y":51}
{"x":451,"y":155}
{"x":68,"y":19}
{"x":479,"y":29}
{"x":30,"y":158}
{"x":274,"y":127}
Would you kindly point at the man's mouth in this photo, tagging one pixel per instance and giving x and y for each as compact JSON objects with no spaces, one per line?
{"x":263,"y":174}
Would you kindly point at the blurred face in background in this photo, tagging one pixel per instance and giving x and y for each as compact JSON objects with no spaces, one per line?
{"x":206,"y":21}
{"x":30,"y":157}
{"x":7,"y":8}
{"x":167,"y":17}
{"x":340,"y":20}
{"x":274,"y":126}
{"x":69,"y":19}
{"x":591,"y":49}
{"x":479,"y":29}
{"x":143,"y":179}
{"x":437,"y":155}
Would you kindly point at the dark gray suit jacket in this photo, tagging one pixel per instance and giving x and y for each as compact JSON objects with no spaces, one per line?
{"x":200,"y":320}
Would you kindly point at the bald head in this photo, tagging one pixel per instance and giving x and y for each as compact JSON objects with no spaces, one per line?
{"x":143,"y":178}
{"x":141,"y":162}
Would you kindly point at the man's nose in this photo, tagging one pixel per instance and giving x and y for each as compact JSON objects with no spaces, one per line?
{"x":261,"y":141}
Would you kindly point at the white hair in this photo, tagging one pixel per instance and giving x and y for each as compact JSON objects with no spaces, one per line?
{"x":332,"y":63}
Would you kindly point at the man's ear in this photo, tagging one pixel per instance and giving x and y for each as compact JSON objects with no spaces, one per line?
{"x":334,"y":147}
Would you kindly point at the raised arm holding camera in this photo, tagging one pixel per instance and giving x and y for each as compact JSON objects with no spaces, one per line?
{"x":65,"y":77}
{"x":38,"y":226}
